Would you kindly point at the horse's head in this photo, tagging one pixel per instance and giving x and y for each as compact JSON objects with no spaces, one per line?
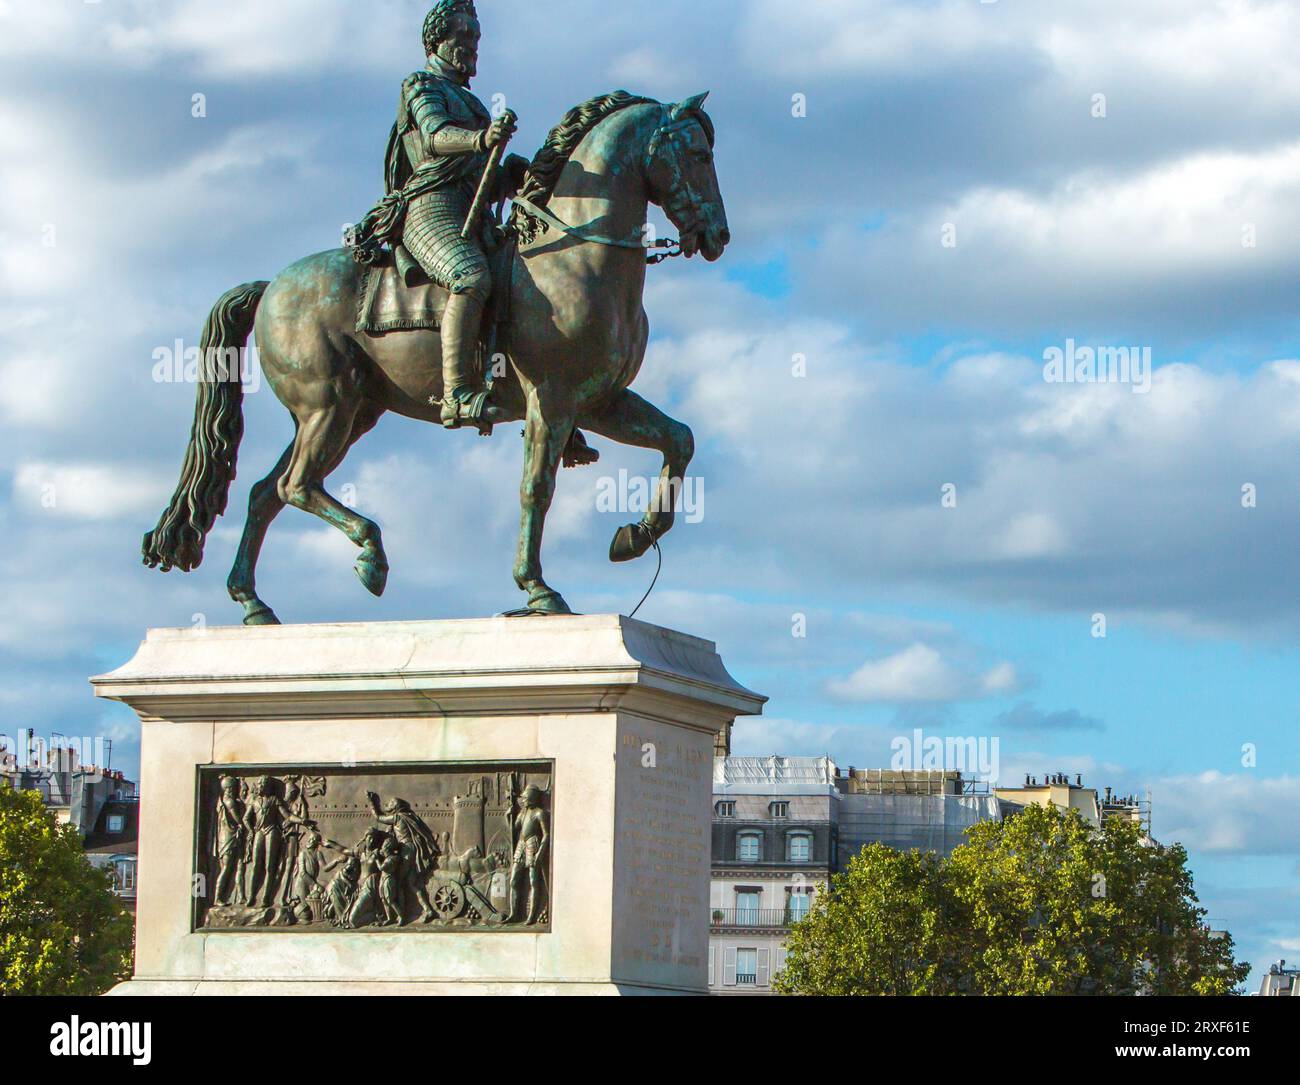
{"x":679,"y":167}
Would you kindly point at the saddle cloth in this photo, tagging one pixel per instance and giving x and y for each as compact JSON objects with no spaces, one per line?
{"x":399,"y":296}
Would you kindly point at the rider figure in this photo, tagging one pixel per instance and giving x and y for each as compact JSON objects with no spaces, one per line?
{"x":443,"y":137}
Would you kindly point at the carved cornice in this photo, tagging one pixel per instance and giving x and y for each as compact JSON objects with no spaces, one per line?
{"x":495,"y":667}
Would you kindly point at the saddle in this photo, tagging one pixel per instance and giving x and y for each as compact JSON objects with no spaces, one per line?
{"x":398,"y":296}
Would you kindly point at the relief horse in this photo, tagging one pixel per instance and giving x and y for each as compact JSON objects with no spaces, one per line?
{"x":574,"y":344}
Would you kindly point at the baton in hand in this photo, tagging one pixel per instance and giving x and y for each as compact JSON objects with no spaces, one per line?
{"x":485,"y":185}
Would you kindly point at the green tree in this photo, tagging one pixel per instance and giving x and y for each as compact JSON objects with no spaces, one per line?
{"x":882,"y":929}
{"x":1037,"y":904}
{"x":62,"y":931}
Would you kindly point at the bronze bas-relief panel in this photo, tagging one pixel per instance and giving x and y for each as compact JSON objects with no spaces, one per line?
{"x":413,"y":848}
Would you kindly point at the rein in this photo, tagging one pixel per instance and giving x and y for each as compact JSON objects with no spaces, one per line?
{"x":582,"y":234}
{"x":672,"y":247}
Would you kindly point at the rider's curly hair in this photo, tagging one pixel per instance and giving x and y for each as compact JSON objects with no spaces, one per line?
{"x":435,"y":23}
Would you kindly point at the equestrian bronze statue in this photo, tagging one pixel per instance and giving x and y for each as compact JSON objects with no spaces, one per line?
{"x":396,"y":321}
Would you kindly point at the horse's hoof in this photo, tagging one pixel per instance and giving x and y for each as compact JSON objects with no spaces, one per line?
{"x":262,"y":615}
{"x":630,"y":543}
{"x":544,"y":603}
{"x":550,"y":602}
{"x":579,"y":453}
{"x":373,"y":575}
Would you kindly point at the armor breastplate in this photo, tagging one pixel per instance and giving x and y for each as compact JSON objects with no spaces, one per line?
{"x":428,"y":99}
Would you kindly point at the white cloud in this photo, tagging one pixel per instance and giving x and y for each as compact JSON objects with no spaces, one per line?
{"x":1032,"y":535}
{"x":846,"y":37}
{"x":1083,"y":498}
{"x":1091,"y":44}
{"x":920,"y":674}
{"x":1242,"y":813}
{"x":84,"y":491}
{"x":239,"y":38}
{"x":1094,"y":249}
{"x":33,"y":391}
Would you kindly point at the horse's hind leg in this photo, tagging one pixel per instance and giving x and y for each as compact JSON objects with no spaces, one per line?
{"x":264,"y":505}
{"x":630,"y":420}
{"x":324,"y":437}
{"x":546,"y":434}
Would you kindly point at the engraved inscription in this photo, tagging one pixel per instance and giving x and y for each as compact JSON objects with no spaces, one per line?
{"x":411,"y":848}
{"x":667,"y":849}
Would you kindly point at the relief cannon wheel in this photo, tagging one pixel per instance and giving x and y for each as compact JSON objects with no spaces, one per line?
{"x":449,"y":900}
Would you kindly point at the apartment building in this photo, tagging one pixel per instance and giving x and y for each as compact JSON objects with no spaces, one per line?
{"x":782,"y":826}
{"x":774,"y":849}
{"x":1057,"y":789}
{"x":1281,"y":982}
{"x":100,"y":803}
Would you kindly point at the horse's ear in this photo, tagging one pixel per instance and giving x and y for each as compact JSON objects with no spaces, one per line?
{"x":691,"y":105}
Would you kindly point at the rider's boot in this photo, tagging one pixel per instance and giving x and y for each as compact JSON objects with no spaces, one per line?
{"x":464,"y":400}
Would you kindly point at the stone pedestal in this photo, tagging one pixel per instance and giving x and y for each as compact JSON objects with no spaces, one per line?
{"x":590,"y":739}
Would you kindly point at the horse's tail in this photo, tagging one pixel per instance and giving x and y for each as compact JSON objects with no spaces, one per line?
{"x":209,"y":468}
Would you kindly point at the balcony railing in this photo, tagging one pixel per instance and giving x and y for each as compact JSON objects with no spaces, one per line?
{"x":770,"y":918}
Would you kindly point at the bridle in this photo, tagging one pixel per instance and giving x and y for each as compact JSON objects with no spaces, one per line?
{"x":681,"y":202}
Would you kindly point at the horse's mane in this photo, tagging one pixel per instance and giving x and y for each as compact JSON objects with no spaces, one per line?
{"x":549,"y":162}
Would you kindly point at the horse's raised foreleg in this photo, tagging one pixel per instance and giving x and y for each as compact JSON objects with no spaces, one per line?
{"x":546,"y":434}
{"x":630,"y":420}
{"x":264,"y":505}
{"x":324,"y":437}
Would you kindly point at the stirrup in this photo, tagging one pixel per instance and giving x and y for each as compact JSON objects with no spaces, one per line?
{"x":474,"y":409}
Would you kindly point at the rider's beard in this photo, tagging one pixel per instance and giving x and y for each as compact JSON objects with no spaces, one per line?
{"x":463,"y":60}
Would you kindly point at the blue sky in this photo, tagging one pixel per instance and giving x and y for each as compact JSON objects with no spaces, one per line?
{"x":1113,"y":221}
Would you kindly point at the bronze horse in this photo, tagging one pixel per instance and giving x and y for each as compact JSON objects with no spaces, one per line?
{"x":575,"y":343}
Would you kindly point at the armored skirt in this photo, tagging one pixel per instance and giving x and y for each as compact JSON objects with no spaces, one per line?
{"x":432,"y":235}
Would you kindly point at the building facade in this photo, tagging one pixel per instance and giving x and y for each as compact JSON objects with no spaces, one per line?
{"x":782,"y":826}
{"x":100,"y":803}
{"x":1058,"y":790}
{"x":1281,"y":982}
{"x":774,"y":848}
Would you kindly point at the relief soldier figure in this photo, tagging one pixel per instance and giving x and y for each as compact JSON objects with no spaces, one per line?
{"x":529,"y":862}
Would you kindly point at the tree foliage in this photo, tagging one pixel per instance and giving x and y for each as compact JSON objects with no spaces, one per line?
{"x":62,"y":931}
{"x":1040,"y":903}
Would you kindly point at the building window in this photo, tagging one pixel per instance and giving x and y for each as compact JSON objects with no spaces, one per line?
{"x":124,"y":876}
{"x":780,"y":810}
{"x":747,"y":907}
{"x":798,"y":848}
{"x":725,"y":809}
{"x":746,"y":968}
{"x":115,"y":823}
{"x":797,"y":905}
{"x":749,"y":847}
